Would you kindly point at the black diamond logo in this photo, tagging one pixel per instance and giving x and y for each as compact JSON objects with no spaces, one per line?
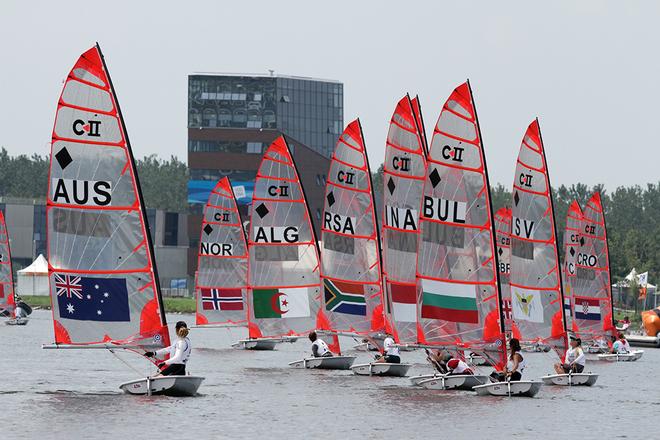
{"x":499,"y":251}
{"x":63,"y":158}
{"x":262,"y":210}
{"x":572,"y":251}
{"x":516,"y":198}
{"x":391,"y":186}
{"x":208,"y":229}
{"x":434,"y":177}
{"x":331,"y":198}
{"x":581,"y":241}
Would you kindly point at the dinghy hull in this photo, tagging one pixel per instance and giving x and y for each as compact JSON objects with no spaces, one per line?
{"x":454,"y":382}
{"x":17,"y":321}
{"x":176,"y":386}
{"x":574,"y":379}
{"x":325,"y":363}
{"x":523,"y":388}
{"x":415,"y":380}
{"x":381,"y":369}
{"x":621,"y":357}
{"x":249,"y":344}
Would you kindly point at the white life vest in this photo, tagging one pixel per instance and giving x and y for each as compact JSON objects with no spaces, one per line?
{"x":575,"y":355}
{"x":321,"y":347}
{"x":621,"y":347}
{"x":521,"y":365}
{"x":460,"y":368}
{"x":390,"y":348}
{"x":182,"y":346}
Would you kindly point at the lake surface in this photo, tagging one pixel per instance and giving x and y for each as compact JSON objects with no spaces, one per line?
{"x":74,"y":394}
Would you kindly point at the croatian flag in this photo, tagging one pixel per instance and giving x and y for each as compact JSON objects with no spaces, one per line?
{"x":587,"y":308}
{"x":92,"y":299}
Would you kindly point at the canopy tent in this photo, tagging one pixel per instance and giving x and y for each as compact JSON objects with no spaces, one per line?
{"x":33,"y":280}
{"x":651,"y":288}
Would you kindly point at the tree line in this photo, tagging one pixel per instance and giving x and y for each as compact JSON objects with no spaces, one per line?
{"x":632,"y":213}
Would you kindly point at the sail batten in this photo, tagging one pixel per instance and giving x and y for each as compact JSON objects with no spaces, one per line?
{"x":103,"y":281}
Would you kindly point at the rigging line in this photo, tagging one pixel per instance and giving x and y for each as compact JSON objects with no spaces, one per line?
{"x":124,"y":362}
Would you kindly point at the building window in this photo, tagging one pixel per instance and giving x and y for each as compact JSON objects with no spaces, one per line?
{"x":254,"y":147}
{"x":171,"y":236}
{"x":285,"y":98}
{"x":209,"y":118}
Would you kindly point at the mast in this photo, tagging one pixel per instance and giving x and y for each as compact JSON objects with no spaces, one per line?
{"x":493,"y":229}
{"x":609,"y":266}
{"x":138,"y":188}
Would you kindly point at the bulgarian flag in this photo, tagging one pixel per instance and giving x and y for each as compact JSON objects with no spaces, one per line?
{"x":453,"y":302}
{"x":290,"y":302}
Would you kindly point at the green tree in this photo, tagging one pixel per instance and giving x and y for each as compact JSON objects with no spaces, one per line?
{"x":164,"y":183}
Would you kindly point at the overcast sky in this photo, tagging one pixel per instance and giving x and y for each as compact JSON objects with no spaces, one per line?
{"x":588,"y":69}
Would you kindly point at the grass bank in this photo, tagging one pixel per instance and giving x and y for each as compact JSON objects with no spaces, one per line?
{"x":172,"y":305}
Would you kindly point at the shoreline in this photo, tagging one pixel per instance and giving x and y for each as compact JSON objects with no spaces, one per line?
{"x":172,"y":305}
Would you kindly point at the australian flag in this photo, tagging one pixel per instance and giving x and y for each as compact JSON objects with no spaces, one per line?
{"x":92,"y":299}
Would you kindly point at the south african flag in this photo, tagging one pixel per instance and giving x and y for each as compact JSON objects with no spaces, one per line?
{"x":344,"y":297}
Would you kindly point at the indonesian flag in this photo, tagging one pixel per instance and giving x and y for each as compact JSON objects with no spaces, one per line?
{"x":404,"y":302}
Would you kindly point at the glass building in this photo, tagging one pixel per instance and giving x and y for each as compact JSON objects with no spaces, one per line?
{"x":233,"y":118}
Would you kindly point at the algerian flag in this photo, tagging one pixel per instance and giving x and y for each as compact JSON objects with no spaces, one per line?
{"x":527,"y":305}
{"x":291,"y":302}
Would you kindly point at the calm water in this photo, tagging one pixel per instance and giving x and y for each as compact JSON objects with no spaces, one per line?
{"x":74,"y":394}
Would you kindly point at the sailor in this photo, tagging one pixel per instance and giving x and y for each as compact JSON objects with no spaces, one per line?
{"x":625,"y":324}
{"x":20,"y":311}
{"x":436,"y":358}
{"x":621,"y":346}
{"x":514,"y":367}
{"x":319,"y":347}
{"x":179,"y":353}
{"x":574,"y":359}
{"x":390,"y":351}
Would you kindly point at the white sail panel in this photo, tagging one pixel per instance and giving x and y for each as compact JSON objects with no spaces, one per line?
{"x":222,"y":261}
{"x":351,"y":269}
{"x":571,"y":243}
{"x":103,"y":282}
{"x":283,"y":271}
{"x":456,"y":262}
{"x":535,"y":280}
{"x":503,"y":235}
{"x":404,"y":172}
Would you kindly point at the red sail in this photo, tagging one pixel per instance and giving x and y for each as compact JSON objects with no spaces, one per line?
{"x":6,"y":273}
{"x":103,"y":282}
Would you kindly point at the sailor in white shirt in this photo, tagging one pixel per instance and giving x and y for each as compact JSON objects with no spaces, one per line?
{"x":319,"y":347}
{"x":574,"y":360}
{"x":179,"y":353}
{"x":621,"y":345}
{"x":390,"y":351}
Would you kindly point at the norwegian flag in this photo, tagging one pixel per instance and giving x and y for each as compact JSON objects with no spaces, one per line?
{"x":68,"y":285}
{"x":222,"y":299}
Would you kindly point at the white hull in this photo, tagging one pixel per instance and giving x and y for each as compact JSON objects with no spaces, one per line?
{"x":476,"y":359}
{"x":454,"y":382}
{"x":621,"y":357}
{"x":415,"y":380}
{"x":178,"y":386}
{"x":523,"y":388}
{"x":381,"y":369}
{"x":643,"y":341}
{"x":536,"y":348}
{"x":595,"y":350}
{"x":261,"y":343}
{"x":325,"y":363}
{"x":17,"y":321}
{"x":572,"y":379}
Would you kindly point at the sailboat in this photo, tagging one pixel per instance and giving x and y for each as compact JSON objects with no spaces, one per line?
{"x":456,"y":265}
{"x":104,"y":285}
{"x":283,"y":268}
{"x":404,"y":173}
{"x":221,"y":281}
{"x":593,"y":311}
{"x":7,"y":299}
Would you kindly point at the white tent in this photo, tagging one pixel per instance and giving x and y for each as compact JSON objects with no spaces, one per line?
{"x":33,"y":280}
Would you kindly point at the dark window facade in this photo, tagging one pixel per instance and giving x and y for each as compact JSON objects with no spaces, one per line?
{"x":171,"y":236}
{"x":39,"y":229}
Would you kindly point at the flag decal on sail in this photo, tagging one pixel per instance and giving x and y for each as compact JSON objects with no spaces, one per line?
{"x":92,"y":299}
{"x":404,"y":302}
{"x":527,"y":305}
{"x":453,"y":302}
{"x":290,"y":302}
{"x":222,"y":299}
{"x":587,"y":308}
{"x":344,"y":297}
